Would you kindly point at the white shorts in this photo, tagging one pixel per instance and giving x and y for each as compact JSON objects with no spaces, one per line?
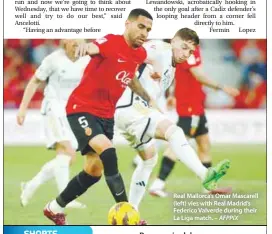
{"x":138,"y":123}
{"x":56,"y":125}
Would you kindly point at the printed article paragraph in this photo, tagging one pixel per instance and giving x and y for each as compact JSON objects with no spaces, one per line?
{"x":75,"y":17}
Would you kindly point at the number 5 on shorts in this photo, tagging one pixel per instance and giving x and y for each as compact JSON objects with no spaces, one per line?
{"x":83,"y":121}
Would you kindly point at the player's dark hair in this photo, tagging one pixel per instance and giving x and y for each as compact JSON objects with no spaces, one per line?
{"x":135,"y":13}
{"x":187,"y":34}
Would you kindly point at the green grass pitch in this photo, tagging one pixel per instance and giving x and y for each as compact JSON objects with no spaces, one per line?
{"x":247,"y":175}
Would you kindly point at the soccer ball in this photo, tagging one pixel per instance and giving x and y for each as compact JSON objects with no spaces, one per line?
{"x":123,"y":213}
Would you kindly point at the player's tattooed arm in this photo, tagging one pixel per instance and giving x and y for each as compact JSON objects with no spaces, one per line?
{"x":137,"y":88}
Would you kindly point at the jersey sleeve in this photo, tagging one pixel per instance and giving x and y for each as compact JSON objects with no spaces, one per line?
{"x":46,"y":68}
{"x":105,"y":45}
{"x":193,"y":61}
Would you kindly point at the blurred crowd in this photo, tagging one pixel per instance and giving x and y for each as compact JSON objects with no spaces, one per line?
{"x":22,"y":57}
{"x":252,"y":56}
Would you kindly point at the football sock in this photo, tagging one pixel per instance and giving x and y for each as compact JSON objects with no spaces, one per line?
{"x":167,"y":166}
{"x":76,"y":187}
{"x":61,"y":171}
{"x":136,"y":160}
{"x":55,"y":207}
{"x":113,"y":178}
{"x":46,"y":173}
{"x":140,"y":179}
{"x":158,"y":184}
{"x":117,"y":187}
{"x":184,"y":152}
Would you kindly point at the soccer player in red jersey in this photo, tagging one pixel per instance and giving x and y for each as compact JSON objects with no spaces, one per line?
{"x":189,"y":101}
{"x":91,"y":106}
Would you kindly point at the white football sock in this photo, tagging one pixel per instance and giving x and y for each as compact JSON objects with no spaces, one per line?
{"x":46,"y":173}
{"x":183,"y":151}
{"x":140,"y":179}
{"x":137,"y":160}
{"x":55,"y":207}
{"x":158,"y":184}
{"x":61,"y":171}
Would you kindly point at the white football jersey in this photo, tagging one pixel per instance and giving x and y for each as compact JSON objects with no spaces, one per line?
{"x":61,"y":75}
{"x":159,"y":54}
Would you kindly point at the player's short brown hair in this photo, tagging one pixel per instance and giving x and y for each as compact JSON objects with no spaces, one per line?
{"x":188,"y":34}
{"x":135,"y":13}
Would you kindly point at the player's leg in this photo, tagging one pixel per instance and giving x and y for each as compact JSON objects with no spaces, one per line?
{"x":58,"y":136}
{"x":203,"y":142}
{"x":168,"y":161}
{"x":29,"y":188}
{"x":94,"y":134}
{"x":142,"y":173}
{"x":185,"y":153}
{"x":104,"y":147}
{"x":203,"y":149}
{"x":65,"y":156}
{"x":157,"y":188}
{"x":78,"y":185}
{"x":159,"y":144}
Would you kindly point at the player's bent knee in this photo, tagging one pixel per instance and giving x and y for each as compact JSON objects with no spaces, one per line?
{"x":109,"y":160}
{"x":93,"y":166}
{"x":100,"y":143}
{"x":162,"y":128}
{"x":151,"y":162}
{"x":65,"y":148}
{"x":175,"y":132}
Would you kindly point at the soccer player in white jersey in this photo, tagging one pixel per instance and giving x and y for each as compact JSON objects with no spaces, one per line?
{"x":139,"y":123}
{"x":61,"y":72}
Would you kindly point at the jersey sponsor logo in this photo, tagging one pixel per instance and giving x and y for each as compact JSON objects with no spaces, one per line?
{"x":124,"y":77}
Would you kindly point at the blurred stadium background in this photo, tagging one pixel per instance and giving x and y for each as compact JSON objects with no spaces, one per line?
{"x":237,"y":130}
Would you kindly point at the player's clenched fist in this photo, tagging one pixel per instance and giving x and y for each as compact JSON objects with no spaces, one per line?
{"x":82,"y":49}
{"x":86,"y":49}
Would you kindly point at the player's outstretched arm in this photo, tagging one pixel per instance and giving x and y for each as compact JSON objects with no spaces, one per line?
{"x":137,"y":88}
{"x":30,"y":90}
{"x":86,"y":49}
{"x":199,"y":74}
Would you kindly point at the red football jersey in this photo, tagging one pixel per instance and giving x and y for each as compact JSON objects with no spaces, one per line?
{"x":188,"y":91}
{"x":106,"y":77}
